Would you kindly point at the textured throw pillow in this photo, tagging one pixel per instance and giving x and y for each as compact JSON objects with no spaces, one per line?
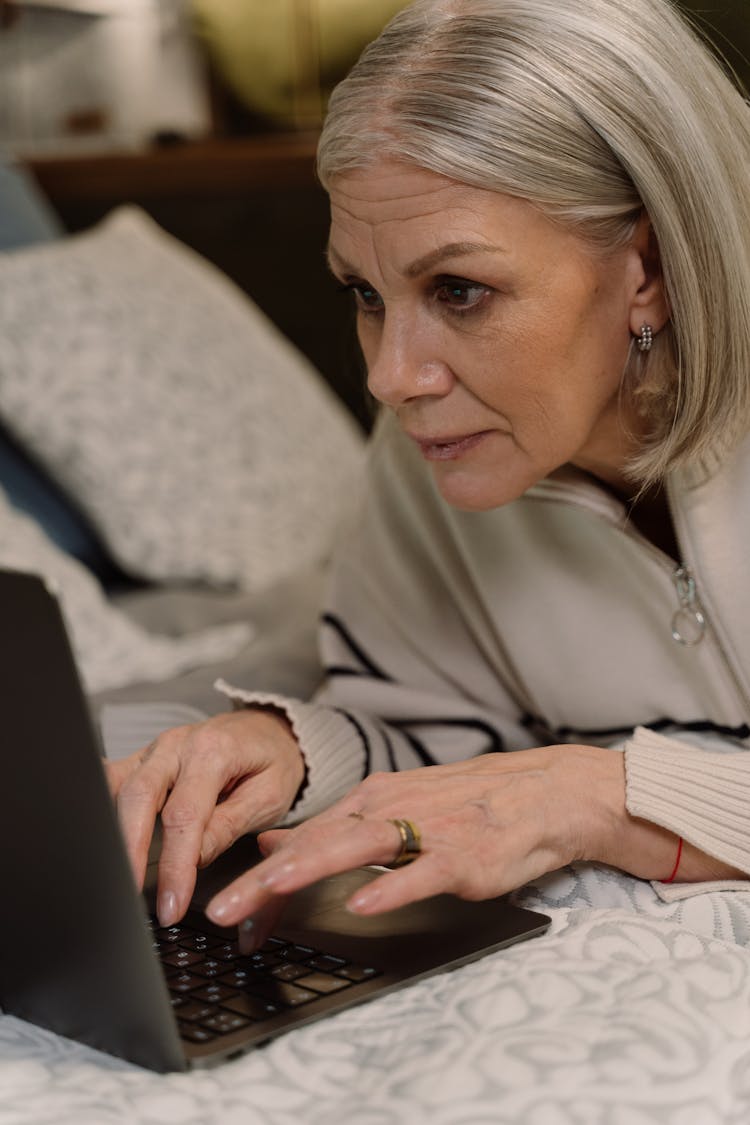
{"x":199,"y":442}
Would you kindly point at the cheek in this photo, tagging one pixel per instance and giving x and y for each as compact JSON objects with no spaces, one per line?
{"x":518,"y":369}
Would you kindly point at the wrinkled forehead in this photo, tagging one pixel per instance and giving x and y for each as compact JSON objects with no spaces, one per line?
{"x":390,"y":216}
{"x":400,"y":212}
{"x":391,"y":191}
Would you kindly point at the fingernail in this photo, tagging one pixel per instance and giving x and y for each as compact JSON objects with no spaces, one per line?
{"x":166,"y":908}
{"x":363,"y":902}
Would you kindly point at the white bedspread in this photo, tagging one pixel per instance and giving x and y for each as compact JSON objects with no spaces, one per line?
{"x":630,"y":1011}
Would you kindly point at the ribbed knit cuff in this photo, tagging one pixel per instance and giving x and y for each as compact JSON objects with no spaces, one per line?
{"x":702,"y":795}
{"x":332,"y":749}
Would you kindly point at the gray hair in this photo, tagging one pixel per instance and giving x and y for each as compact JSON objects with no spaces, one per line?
{"x":593,"y":110}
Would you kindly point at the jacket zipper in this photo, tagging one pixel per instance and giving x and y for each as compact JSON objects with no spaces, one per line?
{"x":692,"y":616}
{"x":689,"y":622}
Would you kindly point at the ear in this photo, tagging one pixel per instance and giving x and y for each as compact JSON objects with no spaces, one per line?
{"x":649,"y":303}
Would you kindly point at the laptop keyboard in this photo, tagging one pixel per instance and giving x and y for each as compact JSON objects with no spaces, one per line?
{"x":216,"y":990}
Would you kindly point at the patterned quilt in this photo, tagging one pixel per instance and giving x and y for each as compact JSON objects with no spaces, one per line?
{"x":629,"y":1011}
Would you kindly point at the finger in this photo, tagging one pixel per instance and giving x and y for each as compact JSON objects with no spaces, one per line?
{"x":269,"y":841}
{"x":119,"y":771}
{"x":252,"y":932}
{"x":431,"y":874}
{"x":184,"y":817}
{"x":251,"y":807}
{"x":311,"y":852}
{"x":139,"y":799}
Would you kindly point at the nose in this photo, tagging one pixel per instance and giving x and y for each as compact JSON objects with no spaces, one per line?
{"x":402,"y":364}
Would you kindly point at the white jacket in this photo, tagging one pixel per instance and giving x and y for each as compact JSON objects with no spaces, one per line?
{"x":548,"y":620}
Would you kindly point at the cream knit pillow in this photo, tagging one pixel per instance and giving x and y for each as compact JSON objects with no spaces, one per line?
{"x":200,"y":443}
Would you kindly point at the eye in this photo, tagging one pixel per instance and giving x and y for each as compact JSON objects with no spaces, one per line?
{"x":366,"y":299}
{"x":460,"y":294}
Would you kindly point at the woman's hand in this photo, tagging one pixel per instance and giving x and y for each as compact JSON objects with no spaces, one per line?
{"x":487,"y":826}
{"x":212,"y":782}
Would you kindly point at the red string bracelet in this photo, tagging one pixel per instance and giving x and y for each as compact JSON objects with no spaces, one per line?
{"x":676,"y":863}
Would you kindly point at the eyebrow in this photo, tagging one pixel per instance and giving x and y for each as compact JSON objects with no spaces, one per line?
{"x":427,"y":261}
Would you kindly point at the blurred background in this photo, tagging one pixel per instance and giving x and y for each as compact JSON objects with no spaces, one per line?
{"x":205,"y":113}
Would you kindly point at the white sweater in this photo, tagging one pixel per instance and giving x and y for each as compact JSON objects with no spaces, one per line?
{"x":449,"y":634}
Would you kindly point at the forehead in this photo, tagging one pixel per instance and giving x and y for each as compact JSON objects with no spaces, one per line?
{"x":403,"y":210}
{"x":392,"y":190}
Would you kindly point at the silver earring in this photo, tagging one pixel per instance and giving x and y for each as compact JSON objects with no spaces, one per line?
{"x":646,"y":338}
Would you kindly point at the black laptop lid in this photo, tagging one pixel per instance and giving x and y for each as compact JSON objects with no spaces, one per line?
{"x":74,"y":949}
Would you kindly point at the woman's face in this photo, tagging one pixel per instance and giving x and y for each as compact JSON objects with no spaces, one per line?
{"x":496,"y":336}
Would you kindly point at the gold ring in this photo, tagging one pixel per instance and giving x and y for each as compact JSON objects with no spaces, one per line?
{"x":411,"y":842}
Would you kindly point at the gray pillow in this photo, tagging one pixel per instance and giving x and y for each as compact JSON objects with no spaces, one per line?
{"x":200,"y":444}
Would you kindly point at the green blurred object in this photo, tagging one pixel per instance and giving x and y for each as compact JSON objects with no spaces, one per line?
{"x":281,"y":58}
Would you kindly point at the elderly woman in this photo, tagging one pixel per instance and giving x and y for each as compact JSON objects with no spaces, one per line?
{"x":538,"y":636}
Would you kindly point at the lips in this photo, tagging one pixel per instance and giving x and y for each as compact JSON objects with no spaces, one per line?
{"x":448,"y":447}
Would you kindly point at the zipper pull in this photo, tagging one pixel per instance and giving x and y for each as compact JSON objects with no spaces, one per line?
{"x":688,"y":622}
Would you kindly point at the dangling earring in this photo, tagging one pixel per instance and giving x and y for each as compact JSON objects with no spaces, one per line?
{"x":646,"y":338}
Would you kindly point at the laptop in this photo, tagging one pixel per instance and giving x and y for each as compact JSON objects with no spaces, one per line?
{"x":80,"y":953}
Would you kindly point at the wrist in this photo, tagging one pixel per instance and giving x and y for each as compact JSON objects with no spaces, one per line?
{"x":282,"y":741}
{"x":611,"y":834}
{"x":598,"y":781}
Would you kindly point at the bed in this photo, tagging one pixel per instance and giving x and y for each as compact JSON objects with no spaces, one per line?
{"x":634,"y":1008}
{"x":628,"y":1011}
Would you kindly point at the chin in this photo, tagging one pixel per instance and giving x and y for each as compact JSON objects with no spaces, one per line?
{"x":470,"y":492}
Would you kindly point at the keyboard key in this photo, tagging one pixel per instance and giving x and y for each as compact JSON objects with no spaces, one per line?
{"x":194,"y":1012}
{"x":273,"y":945}
{"x":260,"y":961}
{"x":322,"y":983}
{"x":252,"y":1007}
{"x":214,"y":993}
{"x":184,"y":982}
{"x":237,"y":978}
{"x":210,"y":968}
{"x":299,"y":953}
{"x":227,"y":951}
{"x":195,"y":1033}
{"x":291,"y":995}
{"x":225,"y":1022}
{"x":180,"y":958}
{"x":172,"y":934}
{"x":200,"y":942}
{"x":288,"y":971}
{"x":356,"y":973}
{"x":326,"y":963}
